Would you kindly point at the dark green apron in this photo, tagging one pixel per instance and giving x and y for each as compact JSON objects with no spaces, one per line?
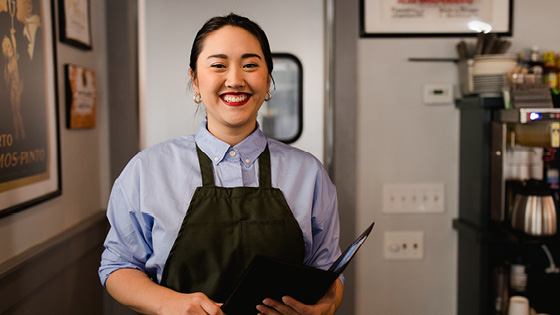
{"x":223,"y":230}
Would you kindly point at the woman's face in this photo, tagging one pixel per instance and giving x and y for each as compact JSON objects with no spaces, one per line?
{"x":232,"y":79}
{"x":7,"y":47}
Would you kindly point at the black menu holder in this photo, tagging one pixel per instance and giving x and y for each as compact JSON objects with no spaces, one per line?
{"x":271,"y":278}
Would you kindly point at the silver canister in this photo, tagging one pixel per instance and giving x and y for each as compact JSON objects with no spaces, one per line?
{"x":534,"y":210}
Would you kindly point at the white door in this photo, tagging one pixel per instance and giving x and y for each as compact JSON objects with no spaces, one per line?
{"x":167,"y":29}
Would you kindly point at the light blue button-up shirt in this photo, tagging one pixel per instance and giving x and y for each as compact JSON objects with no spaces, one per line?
{"x":151,"y":196}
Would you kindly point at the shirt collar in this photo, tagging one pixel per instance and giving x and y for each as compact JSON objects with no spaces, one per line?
{"x":249,"y":149}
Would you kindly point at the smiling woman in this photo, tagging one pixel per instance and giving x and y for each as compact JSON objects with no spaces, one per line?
{"x":232,"y":79}
{"x":188,"y":215}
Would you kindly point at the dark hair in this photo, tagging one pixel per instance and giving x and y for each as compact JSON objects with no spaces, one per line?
{"x":231,"y":19}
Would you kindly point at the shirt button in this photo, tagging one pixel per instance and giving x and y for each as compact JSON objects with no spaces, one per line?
{"x":247,"y":161}
{"x":216,"y":159}
{"x":232,"y":153}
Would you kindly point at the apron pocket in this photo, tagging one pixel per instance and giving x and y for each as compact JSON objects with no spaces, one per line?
{"x":267,"y":238}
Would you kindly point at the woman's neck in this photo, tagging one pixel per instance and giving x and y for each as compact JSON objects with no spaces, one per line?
{"x":231,"y":136}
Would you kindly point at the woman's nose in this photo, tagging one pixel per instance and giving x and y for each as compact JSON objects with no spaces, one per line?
{"x":235,"y":78}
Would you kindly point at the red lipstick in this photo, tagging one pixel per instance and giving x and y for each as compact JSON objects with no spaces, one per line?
{"x":235,"y":98}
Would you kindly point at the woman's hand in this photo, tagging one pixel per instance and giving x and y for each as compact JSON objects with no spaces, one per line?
{"x":134,"y":289}
{"x":187,"y":304}
{"x":327,"y":305}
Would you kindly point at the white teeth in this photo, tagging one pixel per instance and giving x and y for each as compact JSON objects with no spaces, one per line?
{"x":230,"y":98}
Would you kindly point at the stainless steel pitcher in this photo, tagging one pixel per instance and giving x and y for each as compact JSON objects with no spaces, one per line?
{"x":534,"y":210}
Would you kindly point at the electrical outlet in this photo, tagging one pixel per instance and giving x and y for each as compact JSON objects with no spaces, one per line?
{"x":413,"y":198}
{"x":404,"y":245}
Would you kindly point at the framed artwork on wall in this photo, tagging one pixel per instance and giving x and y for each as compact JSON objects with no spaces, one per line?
{"x":81,"y":97}
{"x":29,"y":134}
{"x":75,"y":24}
{"x":433,"y":18}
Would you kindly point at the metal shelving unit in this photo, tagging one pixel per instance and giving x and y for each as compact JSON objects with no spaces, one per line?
{"x":484,"y":244}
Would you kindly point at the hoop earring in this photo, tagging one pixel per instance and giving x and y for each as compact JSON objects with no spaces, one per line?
{"x":197,"y":98}
{"x":268,"y":96}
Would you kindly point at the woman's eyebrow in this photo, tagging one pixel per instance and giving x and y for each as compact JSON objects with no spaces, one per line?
{"x":245,"y":56}
{"x":219,"y":56}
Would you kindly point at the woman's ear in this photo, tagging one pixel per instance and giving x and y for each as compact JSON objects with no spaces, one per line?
{"x":193,"y":80}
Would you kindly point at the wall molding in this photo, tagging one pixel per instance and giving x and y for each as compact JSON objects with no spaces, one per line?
{"x":44,"y":265}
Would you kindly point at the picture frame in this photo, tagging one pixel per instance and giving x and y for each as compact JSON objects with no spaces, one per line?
{"x":81,"y":97}
{"x":75,"y":23}
{"x":29,"y":126}
{"x":435,"y":18}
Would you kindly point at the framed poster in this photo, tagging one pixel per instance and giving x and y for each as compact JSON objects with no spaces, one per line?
{"x":29,"y":139}
{"x":75,"y":24}
{"x":81,"y":97}
{"x":407,"y":18}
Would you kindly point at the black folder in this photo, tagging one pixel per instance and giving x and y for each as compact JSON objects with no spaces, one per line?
{"x":271,"y":278}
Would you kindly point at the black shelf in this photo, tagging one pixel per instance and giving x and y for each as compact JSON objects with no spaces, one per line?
{"x":520,"y":238}
{"x":502,"y":234}
{"x":473,"y":102}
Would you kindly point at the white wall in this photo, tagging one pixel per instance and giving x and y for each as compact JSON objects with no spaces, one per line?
{"x":170,"y":26}
{"x":401,"y":140}
{"x":84,"y":158}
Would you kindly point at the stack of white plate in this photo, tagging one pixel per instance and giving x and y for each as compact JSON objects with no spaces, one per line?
{"x":494,"y":64}
{"x":490,"y":72}
{"x":489,"y":83}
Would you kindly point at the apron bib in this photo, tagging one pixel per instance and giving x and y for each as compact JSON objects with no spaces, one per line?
{"x":223,"y":230}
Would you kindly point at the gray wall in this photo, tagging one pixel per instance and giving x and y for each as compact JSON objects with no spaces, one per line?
{"x":58,"y":276}
{"x":344,"y":170}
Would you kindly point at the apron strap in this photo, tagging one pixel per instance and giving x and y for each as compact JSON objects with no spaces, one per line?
{"x":206,"y":168}
{"x":265,"y":180}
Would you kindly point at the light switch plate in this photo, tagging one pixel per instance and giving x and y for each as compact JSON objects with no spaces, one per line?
{"x":414,"y":198}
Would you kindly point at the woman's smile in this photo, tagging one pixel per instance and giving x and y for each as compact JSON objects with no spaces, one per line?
{"x":235,"y":99}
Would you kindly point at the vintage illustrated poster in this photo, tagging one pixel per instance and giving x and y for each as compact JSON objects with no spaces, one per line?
{"x":81,"y":95}
{"x":28,"y":122}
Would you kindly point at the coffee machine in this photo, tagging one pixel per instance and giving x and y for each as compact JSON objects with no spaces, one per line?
{"x":523,"y":144}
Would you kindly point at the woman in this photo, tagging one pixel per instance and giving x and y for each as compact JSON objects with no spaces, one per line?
{"x":188,"y":215}
{"x":13,"y":82}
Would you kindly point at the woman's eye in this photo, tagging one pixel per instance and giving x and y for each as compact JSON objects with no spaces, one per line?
{"x":251,"y":65}
{"x":218,"y":66}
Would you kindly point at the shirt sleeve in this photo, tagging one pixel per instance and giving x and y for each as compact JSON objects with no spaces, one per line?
{"x":129,"y":242}
{"x":325,"y":222}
